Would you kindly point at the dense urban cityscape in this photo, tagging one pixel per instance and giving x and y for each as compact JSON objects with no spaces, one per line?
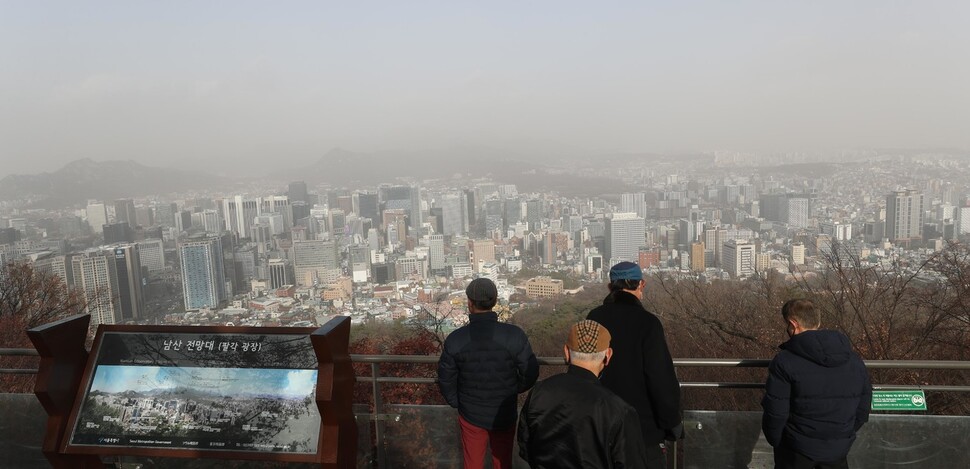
{"x":292,"y":253}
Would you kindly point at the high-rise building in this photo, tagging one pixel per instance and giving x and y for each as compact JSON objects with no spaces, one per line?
{"x":739,"y":258}
{"x":436,"y":253}
{"x":366,"y":205}
{"x":314,"y":261}
{"x":625,"y":234}
{"x":151,"y":252}
{"x":533,"y":214}
{"x":125,"y":212}
{"x":297,"y":191}
{"x":549,"y":248}
{"x":415,"y":219}
{"x":208,"y":221}
{"x":280,"y":273}
{"x":697,"y":257}
{"x":203,"y":273}
{"x":239,"y":213}
{"x":962,"y":220}
{"x":904,"y":215}
{"x":95,"y":275}
{"x":453,"y":220}
{"x":483,"y":251}
{"x":165,"y":214}
{"x":97,"y":216}
{"x":634,"y":203}
{"x":120,"y":232}
{"x":131,"y":300}
{"x":798,"y":253}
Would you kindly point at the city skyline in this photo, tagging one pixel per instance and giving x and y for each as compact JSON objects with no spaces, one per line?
{"x":201,"y":85}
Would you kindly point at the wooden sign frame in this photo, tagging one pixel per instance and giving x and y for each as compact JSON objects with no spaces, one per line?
{"x":324,"y":351}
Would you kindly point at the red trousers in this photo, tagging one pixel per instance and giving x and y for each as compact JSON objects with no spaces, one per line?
{"x":474,"y":441}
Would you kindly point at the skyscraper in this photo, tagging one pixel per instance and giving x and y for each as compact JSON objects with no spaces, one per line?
{"x":125,"y":212}
{"x":131,"y":300}
{"x":625,"y":233}
{"x":436,"y":253}
{"x":203,"y":273}
{"x":415,"y":219}
{"x":280,"y":273}
{"x":314,"y":261}
{"x":239,"y":213}
{"x":297,"y":191}
{"x":94,"y":273}
{"x":152,"y":255}
{"x":739,"y":258}
{"x":97,"y":216}
{"x":634,"y":203}
{"x":452,"y":215}
{"x":904,"y":215}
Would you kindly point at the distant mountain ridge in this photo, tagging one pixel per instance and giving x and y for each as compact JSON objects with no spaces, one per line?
{"x":88,"y":179}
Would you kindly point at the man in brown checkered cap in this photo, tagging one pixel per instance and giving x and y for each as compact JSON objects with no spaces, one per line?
{"x":571,"y":420}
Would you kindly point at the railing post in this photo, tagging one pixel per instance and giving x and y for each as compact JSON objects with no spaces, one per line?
{"x":378,"y":417}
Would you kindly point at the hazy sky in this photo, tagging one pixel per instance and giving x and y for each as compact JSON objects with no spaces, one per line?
{"x":169,"y":83}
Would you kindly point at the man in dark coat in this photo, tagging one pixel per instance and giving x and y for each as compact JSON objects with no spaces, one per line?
{"x":571,"y":421}
{"x":641,"y":372}
{"x":817,"y":396}
{"x":483,"y":367}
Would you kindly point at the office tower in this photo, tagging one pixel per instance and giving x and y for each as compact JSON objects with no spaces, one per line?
{"x":624,"y":234}
{"x":697,"y":257}
{"x":549,"y":251}
{"x":739,"y":258}
{"x":165,"y":214}
{"x":125,"y":212}
{"x":120,"y":232}
{"x":472,"y":208}
{"x":280,"y":273}
{"x":314,"y":261}
{"x":904,"y":215}
{"x":436,"y":253}
{"x":97,"y":216}
{"x":183,"y":220}
{"x":452,"y":215}
{"x":689,"y":231}
{"x":382,"y":273}
{"x":272,"y":220}
{"x":415,"y":219}
{"x":131,"y":300}
{"x":875,"y":231}
{"x":494,"y":215}
{"x":297,"y":191}
{"x":144,"y":216}
{"x":962,"y":221}
{"x":338,"y":222}
{"x":483,"y":251}
{"x":634,"y":203}
{"x":94,"y":274}
{"x":279,"y":204}
{"x":239,"y":213}
{"x":762,"y":262}
{"x":151,"y":252}
{"x":366,"y":205}
{"x":203,"y":272}
{"x":208,"y":221}
{"x":838,"y":231}
{"x":798,"y":253}
{"x":533,"y":214}
{"x":513,"y":211}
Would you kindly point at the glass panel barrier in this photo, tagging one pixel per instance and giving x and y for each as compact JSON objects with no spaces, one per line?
{"x":717,"y":439}
{"x":22,"y":421}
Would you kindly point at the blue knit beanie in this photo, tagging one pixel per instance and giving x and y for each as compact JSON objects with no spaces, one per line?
{"x":626,"y":271}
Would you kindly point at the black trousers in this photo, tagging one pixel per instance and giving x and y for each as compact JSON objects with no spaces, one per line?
{"x":788,"y":459}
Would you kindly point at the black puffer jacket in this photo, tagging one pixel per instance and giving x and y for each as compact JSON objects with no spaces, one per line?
{"x":571,"y":421}
{"x":641,"y":370}
{"x":483,"y":367}
{"x":817,"y":396}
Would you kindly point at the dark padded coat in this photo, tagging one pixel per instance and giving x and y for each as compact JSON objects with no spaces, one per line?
{"x":571,"y":421}
{"x":483,"y":367}
{"x":817,"y":396}
{"x":641,"y":370}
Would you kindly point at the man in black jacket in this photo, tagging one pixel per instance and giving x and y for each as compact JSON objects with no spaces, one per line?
{"x":817,"y":396}
{"x":641,"y":372}
{"x":571,"y":421}
{"x":483,"y":367}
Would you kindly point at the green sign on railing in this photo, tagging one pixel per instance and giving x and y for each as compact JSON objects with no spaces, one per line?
{"x":899,"y":400}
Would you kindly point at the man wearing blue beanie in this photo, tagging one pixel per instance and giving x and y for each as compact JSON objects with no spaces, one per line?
{"x":641,"y":371}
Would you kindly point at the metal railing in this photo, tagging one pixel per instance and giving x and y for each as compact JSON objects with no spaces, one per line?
{"x":380,"y":416}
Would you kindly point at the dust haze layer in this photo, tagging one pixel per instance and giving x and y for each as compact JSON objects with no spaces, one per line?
{"x":205,"y":87}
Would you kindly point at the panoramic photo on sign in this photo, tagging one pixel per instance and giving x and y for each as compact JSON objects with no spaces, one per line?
{"x":899,"y":400}
{"x":213,"y":391}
